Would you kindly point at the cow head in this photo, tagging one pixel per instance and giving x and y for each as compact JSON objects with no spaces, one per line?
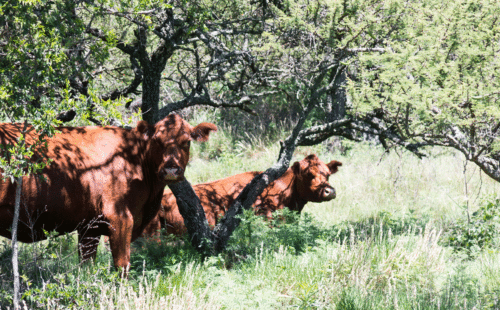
{"x":311,"y":177}
{"x":169,"y":141}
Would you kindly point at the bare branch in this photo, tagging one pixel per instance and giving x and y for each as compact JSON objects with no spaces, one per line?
{"x":132,"y":88}
{"x":126,"y":48}
{"x":365,"y":50}
{"x":202,"y":99}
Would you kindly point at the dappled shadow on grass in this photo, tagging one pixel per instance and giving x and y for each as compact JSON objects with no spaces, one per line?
{"x":165,"y":253}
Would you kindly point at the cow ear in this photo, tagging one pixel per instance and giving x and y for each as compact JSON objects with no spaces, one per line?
{"x":201,"y":132}
{"x":334,"y":166}
{"x":145,"y":129}
{"x":296,"y":167}
{"x":312,"y":157}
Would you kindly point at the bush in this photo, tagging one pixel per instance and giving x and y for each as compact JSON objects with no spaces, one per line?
{"x":288,"y":229}
{"x":481,"y":232}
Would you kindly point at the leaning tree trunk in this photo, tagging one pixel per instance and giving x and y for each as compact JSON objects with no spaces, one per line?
{"x":194,"y":217}
{"x":15,"y":265}
{"x":202,"y":238}
{"x":247,"y":197}
{"x":206,"y":241}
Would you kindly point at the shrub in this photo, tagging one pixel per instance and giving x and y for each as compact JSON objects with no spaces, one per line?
{"x":481,"y":232}
{"x":288,"y":229}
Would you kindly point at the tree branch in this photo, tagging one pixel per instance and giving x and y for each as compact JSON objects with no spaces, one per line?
{"x":203,"y":99}
{"x":132,"y":88}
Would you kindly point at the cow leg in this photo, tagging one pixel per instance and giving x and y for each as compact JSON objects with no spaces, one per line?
{"x":153,"y":228}
{"x":119,"y":241}
{"x":87,"y":245}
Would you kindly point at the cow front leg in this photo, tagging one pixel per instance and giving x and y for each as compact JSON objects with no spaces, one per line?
{"x":87,"y":245}
{"x":120,"y":238}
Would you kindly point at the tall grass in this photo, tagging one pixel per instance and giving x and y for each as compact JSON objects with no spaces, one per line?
{"x":378,"y":245}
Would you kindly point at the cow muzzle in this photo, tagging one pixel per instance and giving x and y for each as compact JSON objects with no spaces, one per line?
{"x":329,"y":193}
{"x":172,"y":174}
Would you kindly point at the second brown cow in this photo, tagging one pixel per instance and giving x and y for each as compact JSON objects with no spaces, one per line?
{"x":306,"y":180}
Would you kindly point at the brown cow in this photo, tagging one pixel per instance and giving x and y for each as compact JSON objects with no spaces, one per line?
{"x":102,"y":181}
{"x":306,"y":180}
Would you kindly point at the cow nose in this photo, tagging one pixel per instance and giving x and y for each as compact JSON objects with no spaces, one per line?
{"x":329,"y":193}
{"x":172,"y":173}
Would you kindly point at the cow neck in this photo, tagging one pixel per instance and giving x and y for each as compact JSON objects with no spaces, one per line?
{"x":291,"y":197}
{"x":150,"y":169}
{"x":296,"y":203}
{"x":153,"y":183}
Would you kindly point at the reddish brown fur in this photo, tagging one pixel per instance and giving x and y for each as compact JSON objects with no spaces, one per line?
{"x":306,"y":180}
{"x":102,"y":181}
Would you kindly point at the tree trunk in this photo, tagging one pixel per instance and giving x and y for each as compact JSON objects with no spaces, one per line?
{"x":337,"y":97}
{"x":151,"y":93}
{"x":195,"y":220}
{"x":15,"y":266}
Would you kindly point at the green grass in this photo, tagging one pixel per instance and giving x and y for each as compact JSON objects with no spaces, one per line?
{"x":379,"y":245}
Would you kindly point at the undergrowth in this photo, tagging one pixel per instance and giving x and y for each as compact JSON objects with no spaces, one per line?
{"x":480,"y":231}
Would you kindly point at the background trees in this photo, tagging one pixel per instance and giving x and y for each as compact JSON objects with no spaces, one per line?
{"x":437,"y":84}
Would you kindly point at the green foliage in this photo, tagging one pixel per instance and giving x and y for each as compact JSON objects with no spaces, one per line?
{"x":438,"y":70}
{"x":483,"y":230}
{"x":288,"y":230}
{"x":38,"y":35}
{"x":71,"y":288}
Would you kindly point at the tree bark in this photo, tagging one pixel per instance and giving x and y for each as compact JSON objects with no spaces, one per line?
{"x":490,"y":166}
{"x":15,"y":265}
{"x":195,"y":220}
{"x":337,"y":97}
{"x":151,"y":93}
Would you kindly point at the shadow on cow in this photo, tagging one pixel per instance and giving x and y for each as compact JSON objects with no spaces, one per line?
{"x":100,"y":181}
